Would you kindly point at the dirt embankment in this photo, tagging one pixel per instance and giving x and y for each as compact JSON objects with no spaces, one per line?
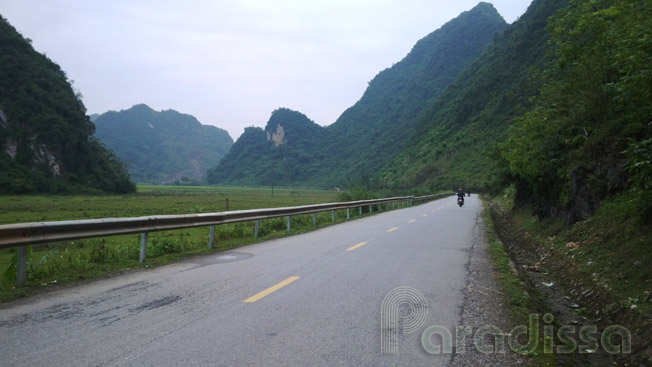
{"x":586,"y":310}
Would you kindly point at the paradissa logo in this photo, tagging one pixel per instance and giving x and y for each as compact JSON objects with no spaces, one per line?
{"x":404,"y":310}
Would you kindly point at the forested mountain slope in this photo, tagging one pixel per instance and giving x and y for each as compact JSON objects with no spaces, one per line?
{"x":456,"y":138}
{"x":379,"y":125}
{"x":46,"y":139}
{"x":588,"y":136}
{"x":286,"y":152}
{"x":164,"y":146}
{"x":368,"y":134}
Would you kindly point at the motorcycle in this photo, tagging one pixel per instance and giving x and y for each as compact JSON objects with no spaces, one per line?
{"x":460,"y":201}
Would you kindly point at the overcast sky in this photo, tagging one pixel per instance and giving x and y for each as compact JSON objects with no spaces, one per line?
{"x":230,"y":63}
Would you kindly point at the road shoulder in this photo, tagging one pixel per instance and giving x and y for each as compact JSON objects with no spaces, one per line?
{"x":484,"y":306}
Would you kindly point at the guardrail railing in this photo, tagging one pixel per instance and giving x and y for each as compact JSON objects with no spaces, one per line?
{"x":23,"y":234}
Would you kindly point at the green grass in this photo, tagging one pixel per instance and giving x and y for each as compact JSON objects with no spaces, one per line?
{"x":65,"y":262}
{"x":153,"y":200}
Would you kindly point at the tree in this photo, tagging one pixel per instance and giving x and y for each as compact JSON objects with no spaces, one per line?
{"x":568,"y":151}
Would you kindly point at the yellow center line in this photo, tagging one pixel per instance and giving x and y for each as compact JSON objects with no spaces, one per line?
{"x":356,"y":246}
{"x":392,"y":229}
{"x":412,"y":220}
{"x":425,"y":215}
{"x":271,"y":290}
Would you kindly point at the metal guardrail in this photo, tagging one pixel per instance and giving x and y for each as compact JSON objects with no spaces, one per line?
{"x":22,"y":234}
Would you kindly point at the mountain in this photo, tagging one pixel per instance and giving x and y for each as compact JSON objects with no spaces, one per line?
{"x":558,"y":106}
{"x":378,"y":126}
{"x":46,"y":139}
{"x":165,"y":146}
{"x":454,"y":144}
{"x":286,"y":152}
{"x":369,"y":133}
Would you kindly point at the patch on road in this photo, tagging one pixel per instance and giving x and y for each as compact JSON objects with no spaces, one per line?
{"x":156,"y":303}
{"x":132,"y":287}
{"x":56,"y":312}
{"x":224,"y":257}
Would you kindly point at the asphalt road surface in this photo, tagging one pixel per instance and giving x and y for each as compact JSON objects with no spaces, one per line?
{"x":361,"y":293}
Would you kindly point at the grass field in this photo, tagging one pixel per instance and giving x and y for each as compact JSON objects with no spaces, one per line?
{"x":153,"y":200}
{"x":64,"y":262}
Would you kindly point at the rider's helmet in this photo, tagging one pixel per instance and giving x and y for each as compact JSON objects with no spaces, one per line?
{"x":460,"y":189}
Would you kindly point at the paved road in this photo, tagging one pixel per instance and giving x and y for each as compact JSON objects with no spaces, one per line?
{"x":314,"y":299}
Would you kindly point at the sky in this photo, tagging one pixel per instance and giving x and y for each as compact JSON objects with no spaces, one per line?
{"x":230,"y":63}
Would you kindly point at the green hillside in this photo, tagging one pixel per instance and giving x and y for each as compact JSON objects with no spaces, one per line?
{"x":379,"y":126}
{"x":456,"y":137}
{"x":369,"y":133}
{"x":559,"y":106}
{"x":286,"y":152}
{"x":46,"y":138}
{"x":587,"y":137}
{"x":164,"y":146}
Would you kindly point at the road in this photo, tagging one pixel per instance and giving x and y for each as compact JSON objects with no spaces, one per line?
{"x":315,"y":299}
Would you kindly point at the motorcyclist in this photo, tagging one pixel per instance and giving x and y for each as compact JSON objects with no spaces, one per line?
{"x":460,"y":195}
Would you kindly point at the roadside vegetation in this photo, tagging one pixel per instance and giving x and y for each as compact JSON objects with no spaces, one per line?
{"x":587,"y":137}
{"x":594,"y":272}
{"x":64,"y":262}
{"x":576,"y":219}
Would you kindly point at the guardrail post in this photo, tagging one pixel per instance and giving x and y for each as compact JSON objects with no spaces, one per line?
{"x":370,"y":209}
{"x":314,"y":219}
{"x":333,"y":215}
{"x":378,"y":207}
{"x":256,"y":228}
{"x":143,"y":246}
{"x":288,"y":223}
{"x":348,"y":213}
{"x":211,"y":237}
{"x":21,"y":267}
{"x":360,"y":210}
{"x":392,"y":205}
